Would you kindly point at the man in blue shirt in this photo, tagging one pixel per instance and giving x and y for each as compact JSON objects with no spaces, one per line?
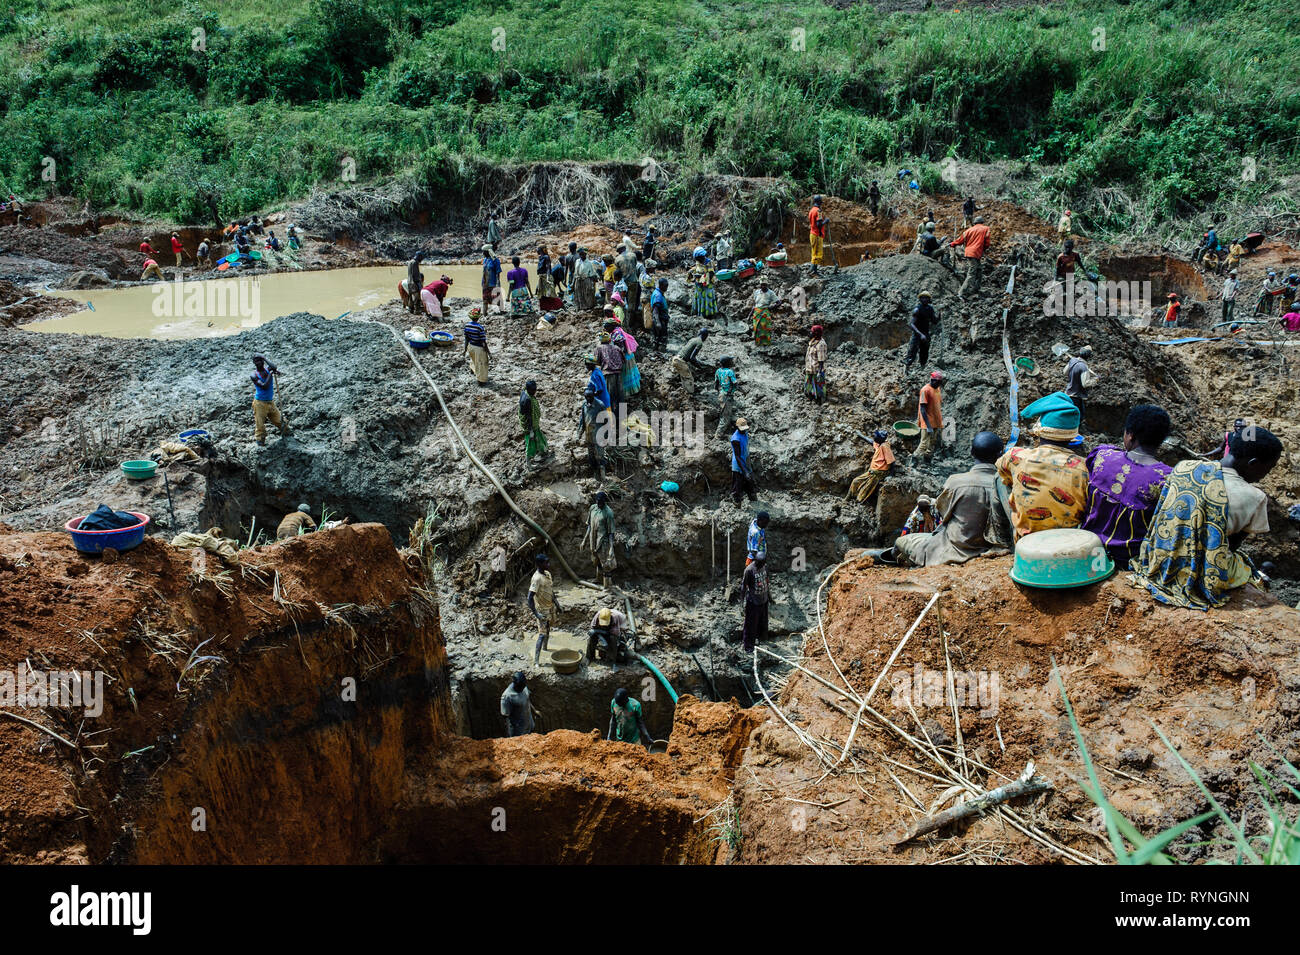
{"x":491,"y":279}
{"x":742,"y":475}
{"x":597,"y":380}
{"x":1211,"y":243}
{"x":756,"y":540}
{"x":725,"y":383}
{"x":659,"y":314}
{"x":264,"y":408}
{"x":589,"y":423}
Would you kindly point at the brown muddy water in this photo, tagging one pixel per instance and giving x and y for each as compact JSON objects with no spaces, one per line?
{"x":213,"y":307}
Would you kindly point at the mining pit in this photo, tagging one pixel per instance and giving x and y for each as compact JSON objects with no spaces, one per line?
{"x":354,"y":675}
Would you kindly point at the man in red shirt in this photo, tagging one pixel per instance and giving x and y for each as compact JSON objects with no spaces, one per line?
{"x":1172,"y":312}
{"x":975,"y":241}
{"x":1067,"y":261}
{"x":816,"y":232}
{"x":177,"y":248}
{"x":147,"y":249}
{"x":929,"y":417}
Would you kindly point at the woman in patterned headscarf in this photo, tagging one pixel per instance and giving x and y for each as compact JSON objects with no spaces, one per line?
{"x":706,"y":295}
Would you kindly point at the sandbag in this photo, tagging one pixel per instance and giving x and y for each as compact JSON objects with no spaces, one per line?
{"x":212,"y":542}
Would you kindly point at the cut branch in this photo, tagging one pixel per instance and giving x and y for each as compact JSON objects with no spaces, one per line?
{"x":994,"y":797}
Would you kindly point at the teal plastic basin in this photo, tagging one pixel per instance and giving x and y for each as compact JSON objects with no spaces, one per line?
{"x":139,"y":470}
{"x":1061,"y":558}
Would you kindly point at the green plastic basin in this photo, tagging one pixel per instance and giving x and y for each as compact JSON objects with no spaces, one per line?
{"x":139,"y":470}
{"x":1060,"y":558}
{"x":906,"y":429}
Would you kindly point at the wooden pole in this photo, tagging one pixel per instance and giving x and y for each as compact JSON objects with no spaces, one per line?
{"x":728,"y":583}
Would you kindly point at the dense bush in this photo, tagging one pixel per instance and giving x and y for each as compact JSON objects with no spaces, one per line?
{"x":1179,"y":97}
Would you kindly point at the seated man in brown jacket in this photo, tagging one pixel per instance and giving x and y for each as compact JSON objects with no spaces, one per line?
{"x":973,"y":520}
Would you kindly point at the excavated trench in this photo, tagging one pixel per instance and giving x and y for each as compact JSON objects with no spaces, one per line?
{"x":237,"y":497}
{"x":239,"y":760}
{"x":1165,"y":273}
{"x":547,"y":824}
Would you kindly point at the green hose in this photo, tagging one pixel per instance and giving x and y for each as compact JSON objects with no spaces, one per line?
{"x":662,"y":679}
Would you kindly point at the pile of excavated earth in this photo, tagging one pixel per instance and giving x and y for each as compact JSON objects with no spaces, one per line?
{"x":227,"y":680}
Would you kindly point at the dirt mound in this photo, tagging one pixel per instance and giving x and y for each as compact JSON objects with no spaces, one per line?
{"x":1216,"y":685}
{"x":222,"y":691}
{"x":52,"y":246}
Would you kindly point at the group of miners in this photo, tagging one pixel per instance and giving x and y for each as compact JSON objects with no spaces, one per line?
{"x":626,"y":717}
{"x":1214,"y":259}
{"x":241,"y":236}
{"x":1178,"y":528}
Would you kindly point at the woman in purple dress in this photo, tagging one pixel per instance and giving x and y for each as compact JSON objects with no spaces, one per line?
{"x":1124,"y":484}
{"x":521,"y":296}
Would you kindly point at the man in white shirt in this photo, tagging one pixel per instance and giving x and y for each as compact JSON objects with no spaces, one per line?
{"x":1230,"y":286}
{"x":1247,"y":505}
{"x":1267,"y":292}
{"x":723,"y":249}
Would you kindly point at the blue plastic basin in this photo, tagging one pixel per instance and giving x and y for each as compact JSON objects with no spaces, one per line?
{"x":94,"y":542}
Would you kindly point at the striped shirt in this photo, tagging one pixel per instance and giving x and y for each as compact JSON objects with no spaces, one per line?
{"x":475,"y":334}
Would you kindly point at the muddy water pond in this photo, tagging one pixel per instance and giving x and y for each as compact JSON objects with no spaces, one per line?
{"x":212,"y":307}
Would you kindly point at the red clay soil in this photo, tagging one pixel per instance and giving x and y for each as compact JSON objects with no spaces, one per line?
{"x":261,"y":740}
{"x":853,"y":229}
{"x":1218,"y":685}
{"x":1166,"y":273}
{"x":261,"y":745}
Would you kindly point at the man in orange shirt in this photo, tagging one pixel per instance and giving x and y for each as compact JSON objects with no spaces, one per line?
{"x":816,"y":232}
{"x":975,"y":241}
{"x":882,"y":462}
{"x":929,"y":417}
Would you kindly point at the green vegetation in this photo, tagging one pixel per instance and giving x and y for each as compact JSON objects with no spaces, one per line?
{"x":1279,"y":844}
{"x":279,"y":97}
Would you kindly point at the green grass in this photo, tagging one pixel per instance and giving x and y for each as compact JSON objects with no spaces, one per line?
{"x":134,"y":117}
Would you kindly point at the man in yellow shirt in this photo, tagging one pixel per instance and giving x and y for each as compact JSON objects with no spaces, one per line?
{"x":1065,"y":228}
{"x":1048,"y":483}
{"x":1235,"y":253}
